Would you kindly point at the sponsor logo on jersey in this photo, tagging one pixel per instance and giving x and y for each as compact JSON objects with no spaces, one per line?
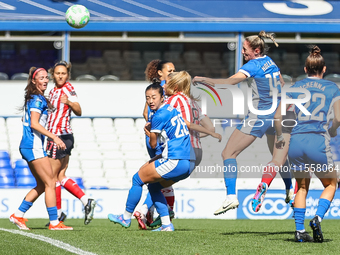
{"x":38,"y":103}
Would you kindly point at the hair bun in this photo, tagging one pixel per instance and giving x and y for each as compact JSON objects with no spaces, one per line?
{"x":315,"y":50}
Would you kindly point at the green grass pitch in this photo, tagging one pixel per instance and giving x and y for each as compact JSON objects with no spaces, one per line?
{"x":191,"y":236}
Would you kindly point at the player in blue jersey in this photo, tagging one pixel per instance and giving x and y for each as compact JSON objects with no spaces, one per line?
{"x":264,"y":77}
{"x":156,"y":71}
{"x":32,"y":150}
{"x":173,"y":165}
{"x":309,"y":149}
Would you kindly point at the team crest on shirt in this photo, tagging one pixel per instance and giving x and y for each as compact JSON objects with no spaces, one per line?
{"x":73,"y":93}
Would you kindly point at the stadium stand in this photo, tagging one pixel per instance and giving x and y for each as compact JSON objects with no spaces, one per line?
{"x":20,"y":76}
{"x":3,"y":76}
{"x":109,"y":77}
{"x":86,"y":77}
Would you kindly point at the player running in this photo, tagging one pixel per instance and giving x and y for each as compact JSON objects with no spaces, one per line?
{"x":309,"y":149}
{"x":173,"y":165}
{"x":32,"y":150}
{"x":64,"y":100}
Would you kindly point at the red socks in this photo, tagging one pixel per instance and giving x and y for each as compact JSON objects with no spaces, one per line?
{"x":58,"y":194}
{"x":296,"y":187}
{"x":269,"y":173}
{"x":169,"y":196}
{"x":72,"y":187}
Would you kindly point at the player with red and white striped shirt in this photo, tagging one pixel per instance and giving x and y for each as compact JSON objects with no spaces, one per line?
{"x":64,"y":100}
{"x":59,"y":119}
{"x":178,"y":92}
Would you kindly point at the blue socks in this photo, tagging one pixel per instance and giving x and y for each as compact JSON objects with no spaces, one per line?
{"x":148,"y":201}
{"x":323,"y":207}
{"x":158,"y":199}
{"x":52,"y":213}
{"x":25,"y":206}
{"x":135,"y":193}
{"x":299,"y":216}
{"x":299,"y":213}
{"x":286,"y":175}
{"x":230,"y":175}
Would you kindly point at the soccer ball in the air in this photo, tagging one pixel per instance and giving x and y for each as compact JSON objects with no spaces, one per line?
{"x":77,"y":16}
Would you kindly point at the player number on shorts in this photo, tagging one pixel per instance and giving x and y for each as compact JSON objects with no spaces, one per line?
{"x":181,"y":128}
{"x":316,"y":114}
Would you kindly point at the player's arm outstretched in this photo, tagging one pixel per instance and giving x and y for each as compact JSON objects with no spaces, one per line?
{"x":202,"y":129}
{"x":232,"y":80}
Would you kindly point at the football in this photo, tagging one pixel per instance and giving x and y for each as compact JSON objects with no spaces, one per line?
{"x":77,"y":16}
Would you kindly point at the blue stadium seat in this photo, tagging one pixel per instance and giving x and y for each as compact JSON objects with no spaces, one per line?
{"x":21,"y":163}
{"x":5,"y":163}
{"x":22,"y":172}
{"x":4,"y":155}
{"x":6,"y":171}
{"x":26,"y":182}
{"x":7,"y":182}
{"x":22,"y":169}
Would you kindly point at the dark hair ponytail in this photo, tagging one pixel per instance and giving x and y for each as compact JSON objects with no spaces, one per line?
{"x":315,"y":63}
{"x":155,"y":86}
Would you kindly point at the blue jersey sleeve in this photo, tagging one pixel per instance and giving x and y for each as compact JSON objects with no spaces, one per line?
{"x":157,"y":122}
{"x":37,"y":104}
{"x":250,"y":69}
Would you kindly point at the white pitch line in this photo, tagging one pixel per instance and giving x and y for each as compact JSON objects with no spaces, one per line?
{"x":183,"y":8}
{"x":112,"y":7}
{"x":54,"y":242}
{"x":153,"y":9}
{"x":44,"y":7}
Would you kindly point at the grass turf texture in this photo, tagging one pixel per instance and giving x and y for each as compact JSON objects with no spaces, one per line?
{"x":190,"y":237}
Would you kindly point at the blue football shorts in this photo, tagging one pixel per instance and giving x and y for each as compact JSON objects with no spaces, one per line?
{"x":253,"y":125}
{"x":32,"y":154}
{"x":310,"y":150}
{"x":173,"y":169}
